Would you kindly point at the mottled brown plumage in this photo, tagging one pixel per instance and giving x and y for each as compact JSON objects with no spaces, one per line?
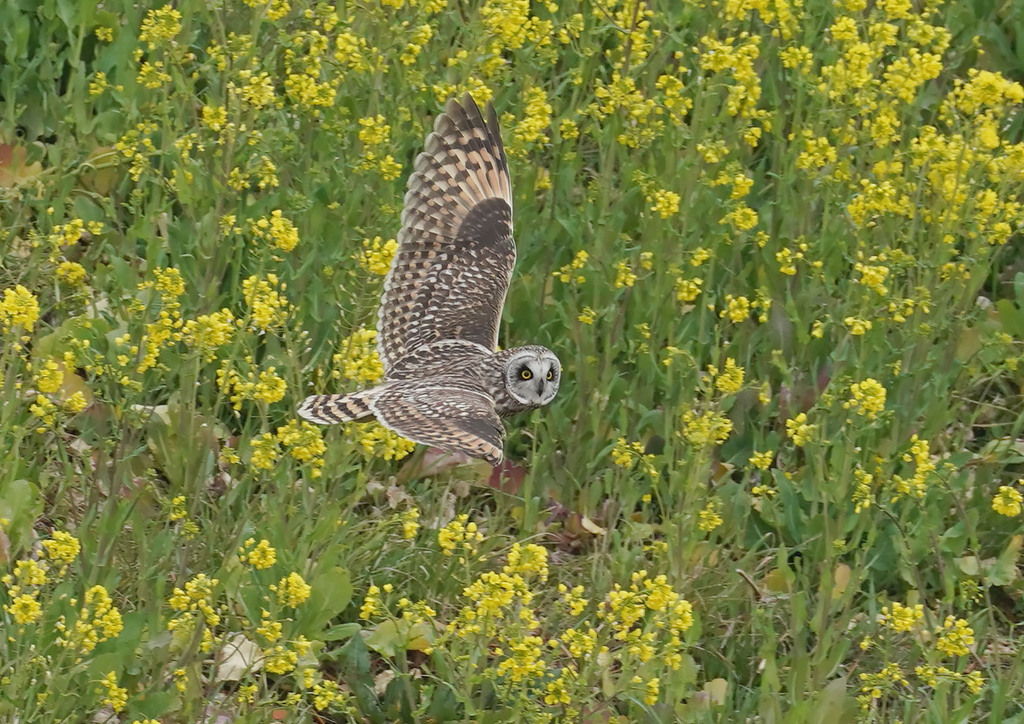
{"x":441,"y":307}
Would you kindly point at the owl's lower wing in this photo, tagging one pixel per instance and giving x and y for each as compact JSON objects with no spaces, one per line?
{"x":450,"y":418}
{"x":455,"y":253}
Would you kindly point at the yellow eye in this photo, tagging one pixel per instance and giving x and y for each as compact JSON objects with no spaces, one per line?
{"x":526,"y":375}
{"x":551,"y":375}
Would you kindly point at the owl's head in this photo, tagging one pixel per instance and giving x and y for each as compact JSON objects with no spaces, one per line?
{"x":532,"y":375}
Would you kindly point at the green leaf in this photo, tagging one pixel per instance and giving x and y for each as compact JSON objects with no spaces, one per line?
{"x":331,"y":594}
{"x":1003,"y":571}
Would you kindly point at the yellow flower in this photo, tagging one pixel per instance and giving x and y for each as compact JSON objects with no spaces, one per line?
{"x":209,"y":332}
{"x":570,"y":272}
{"x":24,"y":608}
{"x":736,"y":308}
{"x":178,"y":509}
{"x":19,"y":308}
{"x":71,"y":273}
{"x":152,"y":75}
{"x":292,"y":590}
{"x":357,"y":358}
{"x":459,"y":533}
{"x":1008,"y":501}
{"x":651,"y":689}
{"x":377,"y":255}
{"x":627,"y":454}
{"x":62,"y":547}
{"x":709,"y":517}
{"x":730,"y":380}
{"x":873,"y":276}
{"x":955,"y":637}
{"x":624,"y":275}
{"x":665,"y":203}
{"x":867,"y":398}
{"x":277,"y":229}
{"x":264,"y":451}
{"x":98,"y":620}
{"x":410,"y":523}
{"x":160,"y":26}
{"x":215,"y":118}
{"x":50,"y":377}
{"x":279,"y":660}
{"x":261,"y":556}
{"x":304,"y":442}
{"x":586,"y":315}
{"x":326,"y":693}
{"x":528,"y":560}
{"x":708,"y":428}
{"x":371,"y":603}
{"x":762,"y":460}
{"x":114,"y":696}
{"x":687,"y":290}
{"x":901,"y":618}
{"x":799,"y":430}
{"x":857,"y":325}
{"x":268,"y":306}
{"x":923,"y":467}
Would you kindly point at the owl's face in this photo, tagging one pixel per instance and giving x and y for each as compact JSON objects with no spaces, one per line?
{"x":532,"y":376}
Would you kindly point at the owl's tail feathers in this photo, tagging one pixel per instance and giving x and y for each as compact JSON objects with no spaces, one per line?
{"x":331,"y":409}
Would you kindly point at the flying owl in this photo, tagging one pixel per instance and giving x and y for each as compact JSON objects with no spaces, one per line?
{"x":437,"y":327}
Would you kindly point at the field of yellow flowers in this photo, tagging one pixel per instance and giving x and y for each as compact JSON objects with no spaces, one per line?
{"x":777,"y":245}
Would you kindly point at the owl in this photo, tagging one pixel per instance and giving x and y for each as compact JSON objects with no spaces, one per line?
{"x":437,"y":328}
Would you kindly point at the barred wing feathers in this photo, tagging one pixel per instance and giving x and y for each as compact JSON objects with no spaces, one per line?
{"x":455,"y":253}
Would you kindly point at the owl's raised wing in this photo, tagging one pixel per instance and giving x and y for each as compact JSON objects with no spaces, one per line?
{"x":455,"y":253}
{"x":448,"y":417}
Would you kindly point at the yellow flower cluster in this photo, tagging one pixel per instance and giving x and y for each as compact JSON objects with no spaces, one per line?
{"x":98,"y":620}
{"x":867,"y":398}
{"x":875,"y":686}
{"x":372,"y":602}
{"x":631,"y":455}
{"x":276,"y":229}
{"x":374,"y":135}
{"x":955,"y":637}
{"x":357,"y":360}
{"x":571,"y":271}
{"x":799,"y":430}
{"x":268,"y":307}
{"x":762,"y":460}
{"x":378,"y":442}
{"x":730,"y":380}
{"x":19,"y":309}
{"x":933,"y":675}
{"x":259,"y":555}
{"x":663,"y":202}
{"x":901,"y":618}
{"x":410,"y":523}
{"x":194,"y":609}
{"x":863,"y":491}
{"x":709,"y":517}
{"x":160,"y":26}
{"x":687,"y":290}
{"x":209,"y":332}
{"x":1008,"y":501}
{"x":377,"y":254}
{"x":299,"y":439}
{"x":460,"y":535}
{"x":705,"y":429}
{"x":923,"y":467}
{"x":267,"y":387}
{"x":292,"y":590}
{"x":530,"y":131}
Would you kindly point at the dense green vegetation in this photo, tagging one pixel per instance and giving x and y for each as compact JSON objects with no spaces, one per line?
{"x":775,"y":245}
